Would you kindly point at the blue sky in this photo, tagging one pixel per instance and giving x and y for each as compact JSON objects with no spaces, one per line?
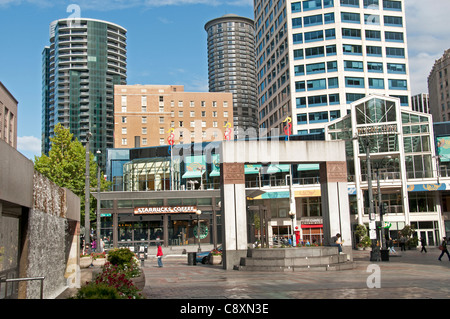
{"x":166,"y":44}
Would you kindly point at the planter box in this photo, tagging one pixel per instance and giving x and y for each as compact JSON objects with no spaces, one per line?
{"x":85,"y":262}
{"x":99,"y":261}
{"x":139,"y":282}
{"x":215,"y":260}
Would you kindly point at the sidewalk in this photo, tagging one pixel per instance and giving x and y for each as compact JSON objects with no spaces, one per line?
{"x":407,"y":275}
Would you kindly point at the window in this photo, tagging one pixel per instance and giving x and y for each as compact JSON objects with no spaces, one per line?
{"x":299,"y":86}
{"x":353,"y":66}
{"x":315,"y":68}
{"x":395,"y":52}
{"x":214,"y":114}
{"x":192,"y":104}
{"x":371,"y":4}
{"x":302,"y":118}
{"x":351,"y":33}
{"x":376,"y":83}
{"x":352,"y":49}
{"x":314,"y":52}
{"x":297,"y":38}
{"x":350,"y":17}
{"x":392,"y":5}
{"x":333,"y":99}
{"x":180,"y":103}
{"x":180,"y":113}
{"x":332,"y":66}
{"x":144,"y":141}
{"x":319,"y":100}
{"x":352,"y":97}
{"x":296,"y":7}
{"x":375,"y":67}
{"x":144,"y":119}
{"x":297,"y":23}
{"x":372,"y":19}
{"x":373,"y":51}
{"x":328,"y":17}
{"x":124,"y":119}
{"x":144,"y":130}
{"x":144,"y":100}
{"x":314,"y":36}
{"x":396,"y":68}
{"x":313,"y":20}
{"x":333,"y":83}
{"x":298,"y":54}
{"x":300,"y":102}
{"x":124,"y":141}
{"x":398,"y":84}
{"x":161,"y":119}
{"x":354,"y":82}
{"x":393,"y":21}
{"x":328,"y":3}
{"x":124,"y":100}
{"x":373,"y":35}
{"x":318,"y":117}
{"x":330,"y":34}
{"x":299,"y":70}
{"x":312,"y":5}
{"x":192,"y":114}
{"x":320,"y":84}
{"x":394,"y":36}
{"x":124,"y":130}
{"x":331,"y":49}
{"x":350,"y":3}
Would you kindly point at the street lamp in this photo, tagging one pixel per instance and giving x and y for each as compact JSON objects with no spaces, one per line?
{"x":292,"y":215}
{"x":87,"y":230}
{"x":99,"y":247}
{"x":198,"y":212}
{"x":380,"y":204}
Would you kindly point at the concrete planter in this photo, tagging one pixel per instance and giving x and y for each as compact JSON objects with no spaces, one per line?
{"x":215,"y":260}
{"x":85,"y":262}
{"x":99,"y":262}
{"x":139,"y":282}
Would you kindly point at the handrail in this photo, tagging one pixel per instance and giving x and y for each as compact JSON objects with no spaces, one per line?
{"x":41,"y":278}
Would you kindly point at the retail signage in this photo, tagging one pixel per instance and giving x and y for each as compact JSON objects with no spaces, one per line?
{"x":165,"y":210}
{"x":378,"y":129}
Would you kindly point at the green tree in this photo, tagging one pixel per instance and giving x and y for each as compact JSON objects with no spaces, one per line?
{"x":65,"y":165}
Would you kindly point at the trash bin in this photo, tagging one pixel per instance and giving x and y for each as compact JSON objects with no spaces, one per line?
{"x":384,"y":254}
{"x":192,"y":259}
{"x":375,"y":254}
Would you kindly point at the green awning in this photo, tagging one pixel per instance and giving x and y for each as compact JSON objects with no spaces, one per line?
{"x":280,"y":168}
{"x":308,"y":167}
{"x":252,"y":169}
{"x":214,"y":173}
{"x":192,"y":174}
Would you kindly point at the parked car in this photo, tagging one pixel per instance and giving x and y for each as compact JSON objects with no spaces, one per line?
{"x":204,"y":256}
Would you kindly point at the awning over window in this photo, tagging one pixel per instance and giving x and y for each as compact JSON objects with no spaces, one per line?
{"x":192,"y":174}
{"x":280,"y":168}
{"x":308,"y":167}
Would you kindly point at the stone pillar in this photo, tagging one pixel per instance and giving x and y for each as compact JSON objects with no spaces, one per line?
{"x":234,"y":213}
{"x":335,"y":205}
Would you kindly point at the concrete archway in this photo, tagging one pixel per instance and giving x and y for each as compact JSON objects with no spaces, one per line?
{"x":333,"y":182}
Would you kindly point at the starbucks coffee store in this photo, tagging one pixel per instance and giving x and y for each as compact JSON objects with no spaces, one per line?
{"x":172,"y":218}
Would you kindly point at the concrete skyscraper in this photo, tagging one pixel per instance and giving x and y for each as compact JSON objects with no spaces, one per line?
{"x":315,"y":57}
{"x":232,"y":68}
{"x":84,"y":61}
{"x":439,"y":89}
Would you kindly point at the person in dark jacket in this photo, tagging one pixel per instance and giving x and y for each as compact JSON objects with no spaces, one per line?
{"x":423,"y":242}
{"x":444,"y":249}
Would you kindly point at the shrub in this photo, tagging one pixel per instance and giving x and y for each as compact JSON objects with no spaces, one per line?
{"x":120,"y":257}
{"x":94,"y":291}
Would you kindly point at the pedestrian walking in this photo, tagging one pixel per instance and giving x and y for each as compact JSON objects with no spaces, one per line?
{"x":443,"y":247}
{"x":94,"y":245}
{"x":159,"y":255}
{"x":423,"y":242}
{"x":402,"y":243}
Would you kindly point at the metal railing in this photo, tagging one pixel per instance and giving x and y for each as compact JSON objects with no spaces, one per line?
{"x":6,"y":281}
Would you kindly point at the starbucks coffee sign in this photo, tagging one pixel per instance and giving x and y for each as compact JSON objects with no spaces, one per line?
{"x":165,"y":210}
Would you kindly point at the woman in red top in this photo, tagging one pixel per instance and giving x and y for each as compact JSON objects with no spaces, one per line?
{"x":159,"y":255}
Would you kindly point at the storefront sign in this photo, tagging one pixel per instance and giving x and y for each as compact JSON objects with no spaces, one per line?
{"x":165,"y":210}
{"x":378,"y":129}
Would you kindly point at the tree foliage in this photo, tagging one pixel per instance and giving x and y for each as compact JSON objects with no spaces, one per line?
{"x":65,"y":165}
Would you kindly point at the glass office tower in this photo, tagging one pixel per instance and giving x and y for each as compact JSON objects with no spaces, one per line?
{"x":84,"y":61}
{"x":316,"y":57}
{"x":231,"y":66}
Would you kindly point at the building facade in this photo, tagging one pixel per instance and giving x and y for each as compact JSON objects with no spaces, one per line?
{"x":145,"y":115}
{"x":8,"y":116}
{"x":84,"y":61}
{"x":231,"y":66}
{"x":439,"y":90}
{"x":316,"y":57}
{"x":420,"y":103}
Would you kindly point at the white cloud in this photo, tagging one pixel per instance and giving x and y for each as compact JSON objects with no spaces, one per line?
{"x":29,"y":143}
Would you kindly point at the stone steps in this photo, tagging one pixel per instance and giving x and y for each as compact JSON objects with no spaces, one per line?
{"x":294,"y":259}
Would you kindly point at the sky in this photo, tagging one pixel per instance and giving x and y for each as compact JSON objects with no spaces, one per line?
{"x":166,"y":44}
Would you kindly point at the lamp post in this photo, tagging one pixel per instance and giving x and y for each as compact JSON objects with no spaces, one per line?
{"x":99,"y":247}
{"x":292,"y":215}
{"x":87,"y":230}
{"x":198,"y":212}
{"x":380,"y":204}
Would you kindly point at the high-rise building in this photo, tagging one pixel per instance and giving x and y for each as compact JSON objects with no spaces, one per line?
{"x":315,"y":57}
{"x":439,"y":90}
{"x":231,"y":66}
{"x":84,"y":61}
{"x":146,"y":114}
{"x":8,"y":116}
{"x":420,"y":103}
